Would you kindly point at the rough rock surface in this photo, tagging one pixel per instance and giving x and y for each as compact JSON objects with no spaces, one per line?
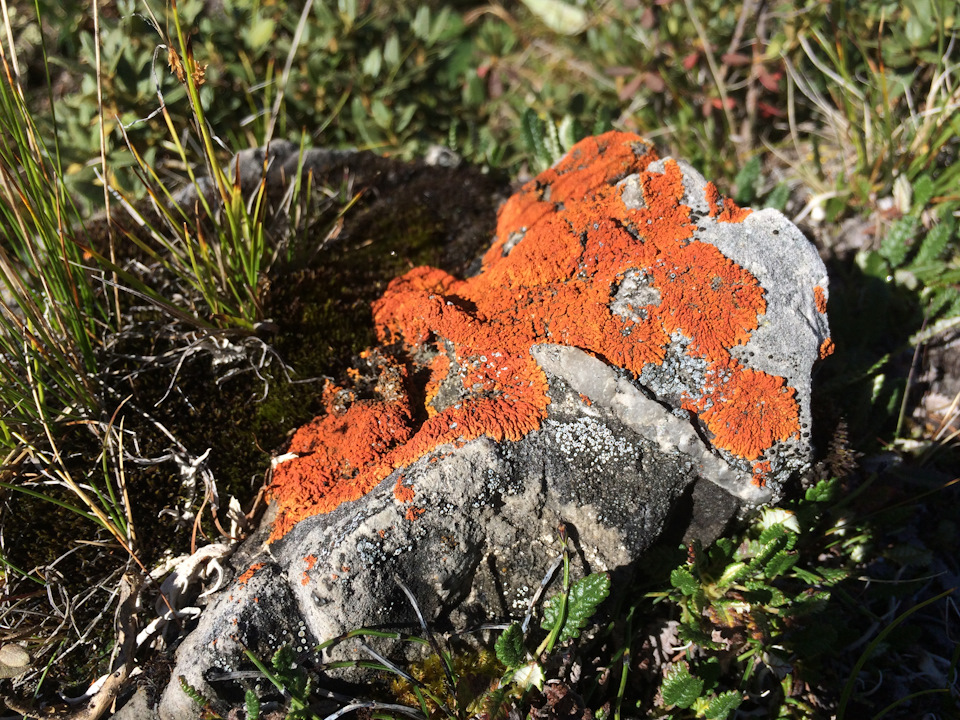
{"x":631,"y":340}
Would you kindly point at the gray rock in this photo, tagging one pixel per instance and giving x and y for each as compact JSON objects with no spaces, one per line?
{"x":469,"y":522}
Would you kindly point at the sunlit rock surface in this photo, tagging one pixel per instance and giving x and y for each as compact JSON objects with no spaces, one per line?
{"x":634,"y":352}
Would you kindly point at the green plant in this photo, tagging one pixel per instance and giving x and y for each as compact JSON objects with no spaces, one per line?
{"x":49,"y":311}
{"x":743,"y":606}
{"x":881,"y":79}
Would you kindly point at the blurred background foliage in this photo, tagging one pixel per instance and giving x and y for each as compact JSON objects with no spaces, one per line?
{"x":844,"y":85}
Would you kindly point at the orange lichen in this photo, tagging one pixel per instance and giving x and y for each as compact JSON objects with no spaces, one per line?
{"x":746,"y":410}
{"x":760,"y":472}
{"x":310,"y":561}
{"x":565,"y":243}
{"x":403,"y":493}
{"x":826,"y":348}
{"x":250,"y":572}
{"x":820,"y":299}
{"x":725,"y":209}
{"x":413,"y":513}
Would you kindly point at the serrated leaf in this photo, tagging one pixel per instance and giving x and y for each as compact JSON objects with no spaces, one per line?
{"x":934,"y":243}
{"x":823,"y":491}
{"x":808,"y":577}
{"x":509,"y":647}
{"x":495,"y":705}
{"x":533,"y":132}
{"x":697,"y":636}
{"x":551,"y":138}
{"x":724,"y":545}
{"x":923,"y":190}
{"x":567,"y":132}
{"x":720,"y":706}
{"x":831,"y":576}
{"x":764,"y":593}
{"x":896,"y":242}
{"x":771,"y":533}
{"x":683,"y":580}
{"x":780,"y":563}
{"x":731,"y":574}
{"x":585,"y":595}
{"x":528,"y":676}
{"x":778,"y":197}
{"x":680,"y":688}
{"x":283,"y":659}
{"x":942,"y":298}
{"x":252,"y":703}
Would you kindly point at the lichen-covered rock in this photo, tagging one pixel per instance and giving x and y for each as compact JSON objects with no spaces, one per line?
{"x":630,"y":336}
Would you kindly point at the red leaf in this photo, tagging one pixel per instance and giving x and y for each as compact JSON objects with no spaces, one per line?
{"x":654,"y":81}
{"x":630,"y":89}
{"x":735,"y":59}
{"x":768,"y":110}
{"x":770,"y":80}
{"x":690,"y":60}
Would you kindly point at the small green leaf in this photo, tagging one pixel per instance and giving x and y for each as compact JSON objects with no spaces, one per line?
{"x":746,"y":181}
{"x":551,"y":139}
{"x":391,"y":51}
{"x":731,"y":574}
{"x":780,"y":563}
{"x":772,"y":533}
{"x":934,"y":243}
{"x":372,"y":63}
{"x":406,"y":115}
{"x":585,"y":595}
{"x":193,"y":693}
{"x":720,"y":706}
{"x":683,"y":580}
{"x":509,"y":647}
{"x":421,"y":23}
{"x":680,"y":688}
{"x":533,"y":136}
{"x":831,"y":576}
{"x":252,"y":703}
{"x":381,"y":114}
{"x":923,"y":190}
{"x":823,"y":491}
{"x":259,"y":33}
{"x":808,"y":577}
{"x":568,"y":132}
{"x":872,"y":263}
{"x":896,"y":243}
{"x":283,"y":659}
{"x":778,"y":197}
{"x":697,"y":636}
{"x":771,"y":596}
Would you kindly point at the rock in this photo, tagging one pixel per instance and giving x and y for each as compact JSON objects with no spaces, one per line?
{"x":630,"y":338}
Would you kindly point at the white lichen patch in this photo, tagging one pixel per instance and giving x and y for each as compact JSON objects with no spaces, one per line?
{"x":591,"y":444}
